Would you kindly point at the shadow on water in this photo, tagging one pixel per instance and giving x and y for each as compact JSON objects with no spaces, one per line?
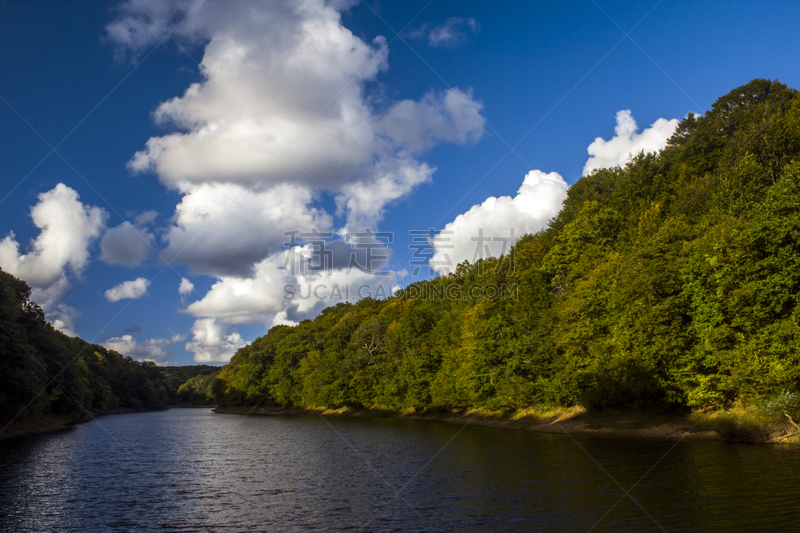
{"x":193,"y":470}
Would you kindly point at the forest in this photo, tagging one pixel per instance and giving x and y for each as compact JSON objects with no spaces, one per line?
{"x":44,"y":372}
{"x":670,"y":283}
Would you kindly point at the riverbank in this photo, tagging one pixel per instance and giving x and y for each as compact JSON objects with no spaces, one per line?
{"x":730,"y":426}
{"x":40,"y":425}
{"x":60,"y":422}
{"x":737,"y":425}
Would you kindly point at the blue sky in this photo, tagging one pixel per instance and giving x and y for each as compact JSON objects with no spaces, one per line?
{"x":307,"y":114}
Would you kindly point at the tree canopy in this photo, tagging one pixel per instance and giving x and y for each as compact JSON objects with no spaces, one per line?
{"x":43,"y":371}
{"x":671,"y":281}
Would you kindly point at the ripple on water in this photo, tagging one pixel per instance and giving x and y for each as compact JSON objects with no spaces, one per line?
{"x":192,"y":470}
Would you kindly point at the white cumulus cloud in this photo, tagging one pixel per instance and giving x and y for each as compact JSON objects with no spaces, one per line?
{"x":489,"y":229}
{"x":281,"y":115}
{"x":358,"y":199}
{"x":147,"y":350}
{"x":63,"y":318}
{"x":282,"y":120}
{"x":67,"y":230}
{"x":186,"y":287}
{"x":270,"y":68}
{"x":213,"y":341}
{"x":133,"y":290}
{"x":626,"y":142}
{"x":451,"y":116}
{"x":146,"y":217}
{"x":276,"y":289}
{"x":223,"y":228}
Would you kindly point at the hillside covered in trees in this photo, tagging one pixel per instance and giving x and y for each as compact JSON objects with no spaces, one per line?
{"x":44,"y":372}
{"x":671,"y":282}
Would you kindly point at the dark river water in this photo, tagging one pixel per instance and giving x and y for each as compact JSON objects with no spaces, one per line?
{"x":193,"y":470}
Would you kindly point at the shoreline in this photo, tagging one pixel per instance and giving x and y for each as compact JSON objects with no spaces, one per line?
{"x":49,"y":424}
{"x":59,"y":422}
{"x":722,"y":426}
{"x":658,"y":425}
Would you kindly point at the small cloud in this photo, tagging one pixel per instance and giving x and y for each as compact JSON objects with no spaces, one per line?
{"x":147,"y":350}
{"x":146,"y":218}
{"x":186,"y":287}
{"x":625,"y":143}
{"x":419,"y":33}
{"x":452,"y":33}
{"x":452,"y":116}
{"x":133,"y":329}
{"x":126,"y":244}
{"x":133,"y":290}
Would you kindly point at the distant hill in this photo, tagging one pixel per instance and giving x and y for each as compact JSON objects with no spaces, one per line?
{"x":44,"y":372}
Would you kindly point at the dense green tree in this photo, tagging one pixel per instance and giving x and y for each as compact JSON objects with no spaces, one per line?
{"x":42,"y":371}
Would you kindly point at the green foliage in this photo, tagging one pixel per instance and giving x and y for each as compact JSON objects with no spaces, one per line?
{"x":196,"y":390}
{"x":781,"y":404}
{"x":43,"y":371}
{"x":769,"y":420}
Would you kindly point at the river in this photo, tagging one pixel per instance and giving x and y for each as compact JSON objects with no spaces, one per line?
{"x":192,"y":470}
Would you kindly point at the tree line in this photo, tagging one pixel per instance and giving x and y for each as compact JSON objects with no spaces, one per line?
{"x":671,"y":281}
{"x":44,"y":372}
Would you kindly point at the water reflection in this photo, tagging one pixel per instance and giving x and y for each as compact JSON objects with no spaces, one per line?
{"x":192,"y":470}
